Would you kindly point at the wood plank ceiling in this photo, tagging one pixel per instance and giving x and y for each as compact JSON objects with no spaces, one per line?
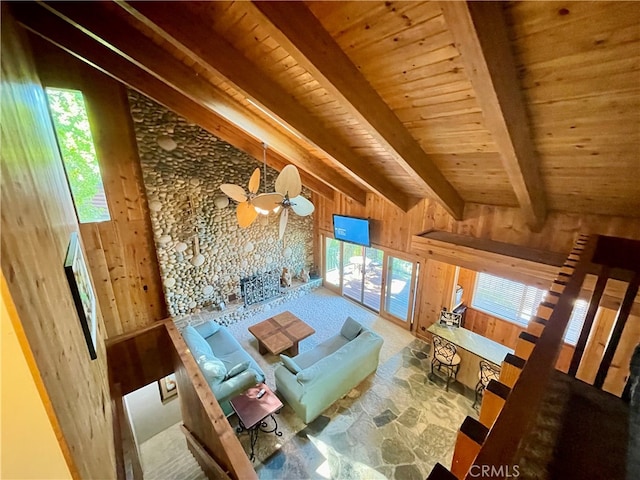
{"x":530,"y":104}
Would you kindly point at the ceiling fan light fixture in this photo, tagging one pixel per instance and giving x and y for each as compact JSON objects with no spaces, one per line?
{"x":262,"y":211}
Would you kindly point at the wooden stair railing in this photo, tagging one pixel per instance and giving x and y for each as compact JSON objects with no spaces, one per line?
{"x":509,"y":404}
{"x":209,"y":435}
{"x":151,"y":353}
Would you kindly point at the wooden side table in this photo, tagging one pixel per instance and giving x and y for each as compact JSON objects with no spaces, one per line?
{"x":253,"y":412}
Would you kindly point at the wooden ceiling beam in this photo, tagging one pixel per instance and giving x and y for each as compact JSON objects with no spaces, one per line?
{"x":176,"y":25}
{"x":55,"y":30}
{"x":302,"y":35}
{"x":130,"y":44}
{"x":480,"y":34}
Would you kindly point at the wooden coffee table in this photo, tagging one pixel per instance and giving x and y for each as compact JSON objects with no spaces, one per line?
{"x":281,"y":333}
{"x":253,"y":412}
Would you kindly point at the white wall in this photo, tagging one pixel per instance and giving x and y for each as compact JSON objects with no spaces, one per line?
{"x":148,"y":414}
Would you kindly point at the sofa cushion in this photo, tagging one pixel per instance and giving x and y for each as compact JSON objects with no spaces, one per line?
{"x":212,"y":368}
{"x":350,"y":329}
{"x":208,"y":328}
{"x":326,"y":348}
{"x":196,"y":343}
{"x":239,"y":368}
{"x":291,"y":365}
{"x":224,"y":345}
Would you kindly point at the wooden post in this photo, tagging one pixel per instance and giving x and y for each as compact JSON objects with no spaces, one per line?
{"x":470,"y":438}
{"x":618,"y":327}
{"x":588,"y":321}
{"x":526,"y":344}
{"x":493,"y":399}
{"x":440,"y":472}
{"x":511,"y":368}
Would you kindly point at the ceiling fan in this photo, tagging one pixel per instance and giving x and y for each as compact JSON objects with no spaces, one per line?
{"x":246,"y":211}
{"x":286,"y":197}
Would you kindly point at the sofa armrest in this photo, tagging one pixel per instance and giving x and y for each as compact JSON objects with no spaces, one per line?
{"x":235,"y":385}
{"x":287,"y":383}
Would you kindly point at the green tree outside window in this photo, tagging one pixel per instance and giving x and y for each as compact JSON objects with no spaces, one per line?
{"x":72,"y":128}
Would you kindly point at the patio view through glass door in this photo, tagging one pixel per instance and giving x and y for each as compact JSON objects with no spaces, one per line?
{"x":332,"y":262}
{"x":362,"y":274}
{"x":401,"y":276}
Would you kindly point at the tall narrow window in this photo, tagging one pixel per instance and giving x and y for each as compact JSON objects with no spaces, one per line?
{"x":71,"y":124}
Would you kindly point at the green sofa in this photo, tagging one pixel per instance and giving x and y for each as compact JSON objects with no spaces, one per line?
{"x":227,"y":367}
{"x":312,"y":381}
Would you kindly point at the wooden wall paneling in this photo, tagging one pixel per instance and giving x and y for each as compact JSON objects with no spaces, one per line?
{"x":140,"y":357}
{"x":101,"y":275}
{"x":114,"y":252}
{"x":467,"y":280}
{"x":126,"y":240}
{"x":36,"y":229}
{"x":435,"y":292}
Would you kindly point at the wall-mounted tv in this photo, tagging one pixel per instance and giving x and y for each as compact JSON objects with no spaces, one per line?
{"x":351,"y":229}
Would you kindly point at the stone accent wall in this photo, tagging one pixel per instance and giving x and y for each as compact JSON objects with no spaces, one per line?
{"x":183,"y":167}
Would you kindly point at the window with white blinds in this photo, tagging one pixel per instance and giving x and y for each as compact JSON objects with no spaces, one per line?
{"x":517,"y":303}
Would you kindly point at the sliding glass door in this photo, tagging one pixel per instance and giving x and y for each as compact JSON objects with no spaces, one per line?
{"x":362,"y":274}
{"x":332,"y":263}
{"x":372,"y":289}
{"x":352,"y":271}
{"x":381,"y":282}
{"x":400,"y":281}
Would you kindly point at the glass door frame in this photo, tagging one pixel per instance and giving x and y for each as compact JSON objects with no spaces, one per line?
{"x":365,"y":268}
{"x":387,"y":253}
{"x":415,"y":275}
{"x":334,"y":288}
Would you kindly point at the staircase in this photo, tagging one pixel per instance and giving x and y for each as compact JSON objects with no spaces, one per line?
{"x":165,"y":456}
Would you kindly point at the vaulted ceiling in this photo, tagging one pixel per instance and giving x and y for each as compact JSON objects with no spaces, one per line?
{"x":527,"y":104}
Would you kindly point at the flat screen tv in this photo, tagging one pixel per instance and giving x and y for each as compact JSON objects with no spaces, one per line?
{"x":351,"y":229}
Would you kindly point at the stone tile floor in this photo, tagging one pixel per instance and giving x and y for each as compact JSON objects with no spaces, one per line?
{"x":397,"y":424}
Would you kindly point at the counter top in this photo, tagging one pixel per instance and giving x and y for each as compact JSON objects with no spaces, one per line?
{"x":472,"y":342}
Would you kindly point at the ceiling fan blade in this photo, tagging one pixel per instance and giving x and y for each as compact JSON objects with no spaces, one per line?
{"x":283,"y":223}
{"x":302,"y":206}
{"x":288,"y":182}
{"x":235,"y":192}
{"x":267,"y":201}
{"x":254,"y":181}
{"x":246,"y":214}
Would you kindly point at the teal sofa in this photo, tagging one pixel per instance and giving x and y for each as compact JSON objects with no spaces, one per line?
{"x":312,"y":381}
{"x":227,"y":367}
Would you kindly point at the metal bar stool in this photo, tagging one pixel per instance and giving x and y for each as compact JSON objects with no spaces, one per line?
{"x":445,"y":355}
{"x":488,"y":371}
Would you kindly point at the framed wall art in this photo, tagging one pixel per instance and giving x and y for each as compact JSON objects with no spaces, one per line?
{"x":84,"y":297}
{"x":168,"y":388}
